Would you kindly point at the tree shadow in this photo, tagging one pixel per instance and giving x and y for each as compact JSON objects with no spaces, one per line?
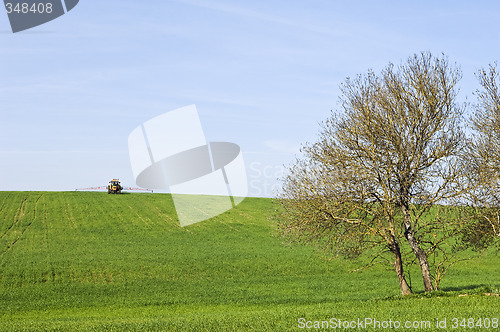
{"x":477,"y":289}
{"x":463,"y":288}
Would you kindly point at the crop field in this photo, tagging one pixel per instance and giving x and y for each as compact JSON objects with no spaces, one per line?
{"x":89,"y":261}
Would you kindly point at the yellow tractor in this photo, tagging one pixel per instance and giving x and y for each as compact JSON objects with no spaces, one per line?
{"x":114,"y":187}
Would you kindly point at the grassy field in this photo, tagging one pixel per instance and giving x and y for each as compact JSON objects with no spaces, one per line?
{"x":95,"y":262}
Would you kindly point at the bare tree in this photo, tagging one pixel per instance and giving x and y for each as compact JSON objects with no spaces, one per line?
{"x":484,"y":160}
{"x":383,"y":169}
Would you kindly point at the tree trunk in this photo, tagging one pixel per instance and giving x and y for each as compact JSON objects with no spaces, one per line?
{"x":398,"y":267}
{"x":419,"y":253}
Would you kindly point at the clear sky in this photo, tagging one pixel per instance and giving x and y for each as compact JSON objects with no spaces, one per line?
{"x":262,"y":74}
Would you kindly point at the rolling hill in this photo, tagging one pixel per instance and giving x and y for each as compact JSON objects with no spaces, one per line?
{"x":91,"y":261}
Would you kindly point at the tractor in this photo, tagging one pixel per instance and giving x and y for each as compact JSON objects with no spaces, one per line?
{"x":114,"y":187}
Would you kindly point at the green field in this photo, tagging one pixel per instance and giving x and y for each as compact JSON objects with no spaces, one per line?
{"x":92,"y":262}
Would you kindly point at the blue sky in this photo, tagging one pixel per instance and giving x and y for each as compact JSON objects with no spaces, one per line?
{"x":262,"y":74}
